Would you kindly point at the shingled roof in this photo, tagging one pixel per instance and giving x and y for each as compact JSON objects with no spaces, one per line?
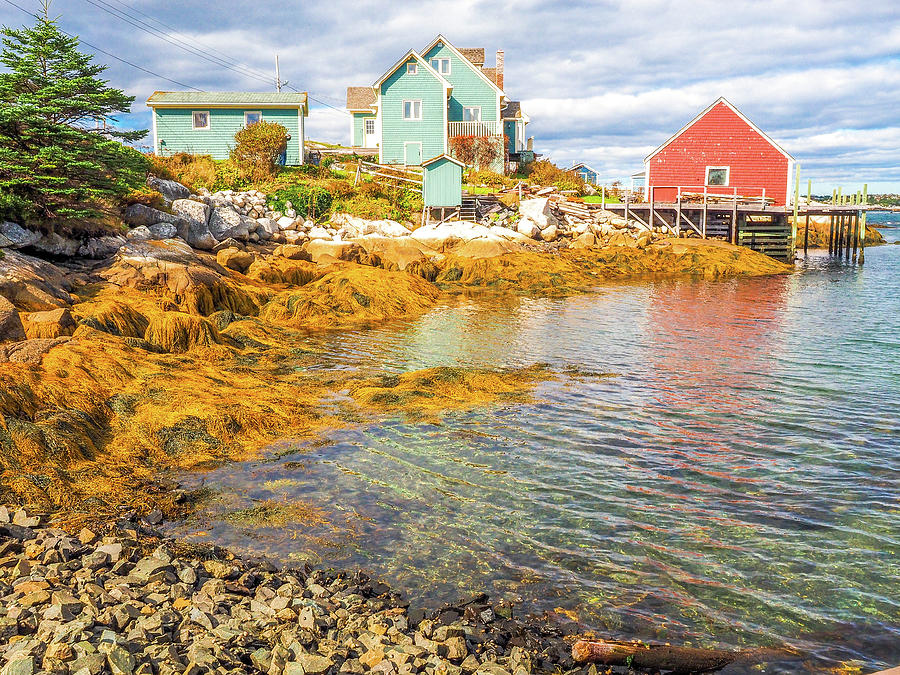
{"x":491,"y":74}
{"x":474,"y":54}
{"x":360,"y":98}
{"x":511,"y":110}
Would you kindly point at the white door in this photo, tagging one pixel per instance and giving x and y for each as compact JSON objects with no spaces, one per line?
{"x":370,"y":140}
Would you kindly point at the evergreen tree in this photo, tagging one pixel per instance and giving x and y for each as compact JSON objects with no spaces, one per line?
{"x":60,"y":163}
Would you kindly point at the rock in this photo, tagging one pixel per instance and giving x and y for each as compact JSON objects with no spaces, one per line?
{"x":313,"y":664}
{"x":56,"y":245}
{"x":319,"y":233}
{"x":100,"y":248}
{"x":235,"y":259}
{"x":227,"y":223}
{"x":538,"y":211}
{"x":294,"y":236}
{"x":529,"y":228}
{"x":49,"y":324}
{"x":549,"y":233}
{"x":32,"y":284}
{"x":292,"y":252}
{"x":484,"y":248}
{"x":163,"y":231}
{"x":339,"y":250}
{"x":29,"y":351}
{"x":618,"y":239}
{"x":137,"y":215}
{"x":11,"y":328}
{"x":139,"y":233}
{"x":286,"y":223}
{"x":169,"y":189}
{"x":399,"y":251}
{"x":13,"y":235}
{"x":266,"y":228}
{"x":586,"y":240}
{"x":19,"y":666}
{"x":510,"y":235}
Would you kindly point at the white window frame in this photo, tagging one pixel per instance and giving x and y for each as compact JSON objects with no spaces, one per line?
{"x":194,"y":120}
{"x":472,"y":107}
{"x":440,"y":61}
{"x":366,"y":122}
{"x":412,"y":108}
{"x":252,"y":112}
{"x":412,"y":68}
{"x":718,"y":168}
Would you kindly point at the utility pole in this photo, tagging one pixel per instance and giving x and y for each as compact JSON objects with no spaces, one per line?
{"x":277,"y":74}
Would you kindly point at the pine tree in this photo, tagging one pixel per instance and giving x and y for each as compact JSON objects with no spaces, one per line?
{"x":60,"y":162}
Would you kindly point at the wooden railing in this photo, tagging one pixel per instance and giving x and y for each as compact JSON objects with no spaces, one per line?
{"x":475,"y":129}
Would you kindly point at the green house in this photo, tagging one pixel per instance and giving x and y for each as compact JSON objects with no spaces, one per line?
{"x":427,"y":98}
{"x":442,"y":182}
{"x":204,"y":123}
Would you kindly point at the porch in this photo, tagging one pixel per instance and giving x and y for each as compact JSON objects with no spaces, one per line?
{"x":474,"y":129}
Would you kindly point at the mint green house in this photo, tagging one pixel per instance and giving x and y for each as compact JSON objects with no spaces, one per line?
{"x":427,"y":98}
{"x":204,"y":123}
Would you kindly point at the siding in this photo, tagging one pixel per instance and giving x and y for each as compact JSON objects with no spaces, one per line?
{"x":468,"y":87}
{"x":174,"y":130}
{"x":721,"y":138}
{"x":443,"y":183}
{"x":395,"y":131}
{"x":509,"y":128}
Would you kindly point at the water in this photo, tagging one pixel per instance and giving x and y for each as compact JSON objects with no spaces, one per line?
{"x":734,"y":484}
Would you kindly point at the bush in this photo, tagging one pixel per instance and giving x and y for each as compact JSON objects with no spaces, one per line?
{"x":258,"y":148}
{"x":489,"y":178}
{"x":146,"y":196}
{"x":478,"y":151}
{"x":15,"y":209}
{"x":309,"y":201}
{"x":546,"y":173}
{"x":194,"y":171}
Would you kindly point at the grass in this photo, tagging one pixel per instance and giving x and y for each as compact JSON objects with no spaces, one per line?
{"x":478,"y":190}
{"x":597,"y":199}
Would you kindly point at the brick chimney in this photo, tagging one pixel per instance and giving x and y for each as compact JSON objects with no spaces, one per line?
{"x":500,"y":68}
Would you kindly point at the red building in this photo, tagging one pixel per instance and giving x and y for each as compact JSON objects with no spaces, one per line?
{"x":723,"y":152}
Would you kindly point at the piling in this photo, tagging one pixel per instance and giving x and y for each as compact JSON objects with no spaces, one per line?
{"x":862,"y":227}
{"x":855,"y":236}
{"x":806,"y":231}
{"x":796,"y":210}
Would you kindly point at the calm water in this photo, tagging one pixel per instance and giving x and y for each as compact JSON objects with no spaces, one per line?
{"x":735,"y":484}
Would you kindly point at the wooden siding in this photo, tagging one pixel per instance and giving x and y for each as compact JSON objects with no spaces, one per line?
{"x":174,"y":130}
{"x":468,"y":88}
{"x":587,"y":175}
{"x":721,"y":138}
{"x":443,"y":183}
{"x":509,"y":128}
{"x":395,"y":131}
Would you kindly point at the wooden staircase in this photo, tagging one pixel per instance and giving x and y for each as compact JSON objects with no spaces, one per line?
{"x":468,"y":209}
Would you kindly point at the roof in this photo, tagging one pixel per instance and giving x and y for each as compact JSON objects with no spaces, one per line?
{"x":413,"y":54}
{"x":737,"y":112}
{"x":226,"y":99}
{"x":582,"y":165}
{"x":444,"y":156}
{"x":360,"y":99}
{"x":473,"y":54}
{"x":480,"y":71}
{"x":511,"y":110}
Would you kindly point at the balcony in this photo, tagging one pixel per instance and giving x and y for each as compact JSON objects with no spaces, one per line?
{"x":475,"y":129}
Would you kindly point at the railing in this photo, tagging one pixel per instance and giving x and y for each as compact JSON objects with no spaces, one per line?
{"x":475,"y":128}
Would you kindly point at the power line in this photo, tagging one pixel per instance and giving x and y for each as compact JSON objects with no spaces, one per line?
{"x":103,"y":51}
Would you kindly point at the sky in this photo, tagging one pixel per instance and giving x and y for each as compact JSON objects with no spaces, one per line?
{"x":603,"y":82}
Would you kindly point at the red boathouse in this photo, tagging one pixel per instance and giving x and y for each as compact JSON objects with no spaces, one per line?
{"x":720,"y":152}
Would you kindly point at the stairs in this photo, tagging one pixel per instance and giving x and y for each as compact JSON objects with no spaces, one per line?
{"x":468,"y":209}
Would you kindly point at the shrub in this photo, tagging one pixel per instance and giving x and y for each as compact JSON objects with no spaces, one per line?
{"x":146,"y":196}
{"x":309,"y":201}
{"x":14,"y":208}
{"x":478,"y":151}
{"x":194,"y":171}
{"x":544,"y":172}
{"x":489,"y":178}
{"x":258,"y":148}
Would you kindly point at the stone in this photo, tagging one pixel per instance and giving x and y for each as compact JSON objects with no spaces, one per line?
{"x":169,"y":189}
{"x":292,"y":252}
{"x":340,"y":250}
{"x":163,"y":231}
{"x":49,"y":324}
{"x":286,"y":223}
{"x":119,"y":660}
{"x":313,"y":664}
{"x":538,"y":211}
{"x":225,"y":222}
{"x":235,"y":259}
{"x":549,"y":233}
{"x":294,"y":236}
{"x":586,"y":240}
{"x":509,"y":234}
{"x":19,"y":666}
{"x":86,"y":536}
{"x":484,"y":248}
{"x":196,"y":215}
{"x":100,"y":248}
{"x":11,"y":328}
{"x":21,"y":517}
{"x":139,"y":233}
{"x":529,"y":228}
{"x":218,"y":569}
{"x":138,"y":215}
{"x":32,"y":284}
{"x":54,"y":244}
{"x":318,"y":233}
{"x":13,"y":235}
{"x":266,"y":228}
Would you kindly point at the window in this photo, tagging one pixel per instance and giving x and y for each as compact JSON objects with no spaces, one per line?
{"x":717,"y":175}
{"x":472,"y":114}
{"x":412,"y":110}
{"x":370,"y":127}
{"x":412,"y":68}
{"x":252,"y":118}
{"x":200,"y":119}
{"x":441,"y":65}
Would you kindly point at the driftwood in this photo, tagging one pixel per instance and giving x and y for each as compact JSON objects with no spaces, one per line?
{"x":663,"y":657}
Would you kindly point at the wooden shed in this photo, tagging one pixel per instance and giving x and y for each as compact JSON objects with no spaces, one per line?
{"x":720,"y":152}
{"x":442,"y":182}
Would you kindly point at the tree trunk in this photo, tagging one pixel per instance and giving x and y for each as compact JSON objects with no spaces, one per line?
{"x":662,"y":657}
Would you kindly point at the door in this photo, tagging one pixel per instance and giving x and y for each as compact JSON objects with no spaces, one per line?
{"x":369,"y":138}
{"x":412,"y":153}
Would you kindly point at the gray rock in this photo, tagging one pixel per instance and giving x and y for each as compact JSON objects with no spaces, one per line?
{"x":227,"y":223}
{"x":169,"y":189}
{"x":313,"y":664}
{"x":139,"y":233}
{"x":57,"y":245}
{"x":165,"y":230}
{"x":99,"y":248}
{"x":16,"y":236}
{"x":138,"y":214}
{"x":191,"y":210}
{"x":11,"y":329}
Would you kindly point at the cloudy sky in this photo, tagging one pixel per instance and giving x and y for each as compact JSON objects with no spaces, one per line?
{"x":603,"y":82}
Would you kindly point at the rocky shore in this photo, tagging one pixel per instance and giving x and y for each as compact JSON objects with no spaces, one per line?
{"x":123,"y":600}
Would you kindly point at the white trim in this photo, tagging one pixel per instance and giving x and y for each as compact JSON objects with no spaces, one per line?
{"x":380,"y":127}
{"x":212,"y":104}
{"x":302,"y":139}
{"x":472,"y":107}
{"x":415,"y":68}
{"x":155,"y":137}
{"x":411,"y":54}
{"x":194,"y":126}
{"x":789,"y":195}
{"x":737,"y":112}
{"x":446,"y":133}
{"x":412,"y":109}
{"x":441,"y":60}
{"x":252,"y":112}
{"x":452,"y":159}
{"x":421,"y":158}
{"x":478,"y":71}
{"x":727,"y":182}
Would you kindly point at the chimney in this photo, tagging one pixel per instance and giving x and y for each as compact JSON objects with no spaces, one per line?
{"x":500,"y":68}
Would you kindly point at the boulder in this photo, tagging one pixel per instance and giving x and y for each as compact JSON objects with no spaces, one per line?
{"x":227,"y":243}
{"x":318,"y":233}
{"x":195,"y":229}
{"x":225,"y":222}
{"x":16,"y":236}
{"x":98,"y":248}
{"x":586,"y":240}
{"x":485,"y":247}
{"x":292,"y":252}
{"x":29,"y":351}
{"x":319,"y":249}
{"x":508,"y":234}
{"x":49,"y":324}
{"x":549,"y":233}
{"x":618,"y":239}
{"x":32,"y":284}
{"x":11,"y":328}
{"x":235,"y":259}
{"x":138,"y":214}
{"x":286,"y":223}
{"x":294,"y":236}
{"x":266,"y":228}
{"x":169,"y":189}
{"x":163,"y":230}
{"x":400,"y":251}
{"x":54,"y":244}
{"x":538,"y":211}
{"x":528,"y":227}
{"x":139,"y":233}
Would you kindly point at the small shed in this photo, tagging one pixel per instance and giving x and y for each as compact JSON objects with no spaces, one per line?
{"x":585,"y":173}
{"x":442,"y":182}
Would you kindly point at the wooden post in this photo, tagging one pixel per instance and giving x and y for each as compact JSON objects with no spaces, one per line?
{"x":626,"y":205}
{"x":796,"y":211}
{"x":650,"y":215}
{"x":857,"y":199}
{"x":734,"y":217}
{"x":831,"y":229}
{"x":849,"y":217}
{"x":678,"y":215}
{"x":806,"y":232}
{"x":603,"y":197}
{"x":862,"y":226}
{"x":703,"y":223}
{"x":840,"y":222}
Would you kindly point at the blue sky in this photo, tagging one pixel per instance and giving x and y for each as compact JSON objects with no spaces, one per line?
{"x":603,"y":82}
